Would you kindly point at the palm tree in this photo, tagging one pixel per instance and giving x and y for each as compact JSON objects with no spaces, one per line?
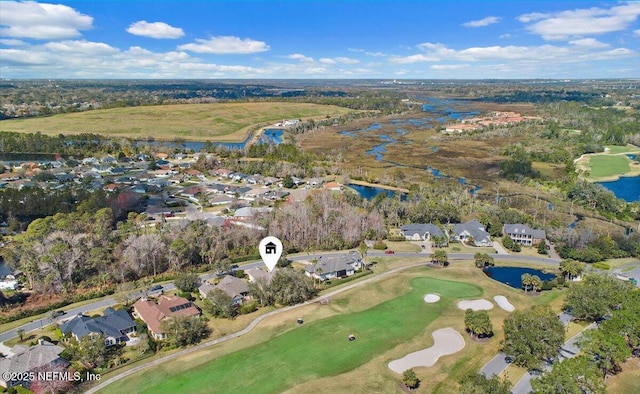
{"x":526,"y":281}
{"x":363,"y":249}
{"x":440,"y":257}
{"x":536,"y":283}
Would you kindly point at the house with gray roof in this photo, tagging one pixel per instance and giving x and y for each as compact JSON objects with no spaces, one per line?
{"x":256,"y":274}
{"x":523,"y":234}
{"x":236,"y":288}
{"x":25,"y":360}
{"x":334,"y":266}
{"x":114,"y":325}
{"x":472,"y":232}
{"x":422,"y":232}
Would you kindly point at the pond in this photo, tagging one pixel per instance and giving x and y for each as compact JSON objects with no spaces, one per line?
{"x":4,"y":270}
{"x":626,"y":188}
{"x":512,"y":275}
{"x":369,"y":192}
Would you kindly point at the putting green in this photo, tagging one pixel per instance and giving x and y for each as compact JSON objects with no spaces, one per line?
{"x":312,"y":351}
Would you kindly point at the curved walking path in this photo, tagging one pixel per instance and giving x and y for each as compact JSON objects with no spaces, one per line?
{"x":245,"y":330}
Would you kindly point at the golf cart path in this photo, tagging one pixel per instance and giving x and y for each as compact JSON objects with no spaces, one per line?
{"x":245,"y":330}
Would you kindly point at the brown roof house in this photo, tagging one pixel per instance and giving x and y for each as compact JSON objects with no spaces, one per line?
{"x":167,"y":307}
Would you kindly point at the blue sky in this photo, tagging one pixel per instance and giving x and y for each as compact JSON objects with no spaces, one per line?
{"x":320,"y":39}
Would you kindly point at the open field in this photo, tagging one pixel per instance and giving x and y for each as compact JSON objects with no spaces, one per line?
{"x":200,"y":122}
{"x":606,"y":166}
{"x":280,"y":353}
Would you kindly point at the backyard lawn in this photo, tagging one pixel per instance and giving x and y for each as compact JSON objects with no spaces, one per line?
{"x":314,"y":350}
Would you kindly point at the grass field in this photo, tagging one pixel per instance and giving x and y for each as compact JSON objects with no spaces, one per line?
{"x":312,"y":351}
{"x":201,"y":122}
{"x":603,"y":166}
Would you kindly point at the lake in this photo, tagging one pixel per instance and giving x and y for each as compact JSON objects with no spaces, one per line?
{"x":626,"y":188}
{"x":512,"y":275}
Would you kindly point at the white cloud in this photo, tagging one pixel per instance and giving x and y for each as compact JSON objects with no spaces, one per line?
{"x":300,"y":57}
{"x":449,"y":67}
{"x":41,"y":21}
{"x":580,"y":22}
{"x":636,"y":33}
{"x":224,"y":45}
{"x":12,"y":42}
{"x":583,"y":49}
{"x":336,"y":60}
{"x":589,"y":42}
{"x":368,"y":53}
{"x":155,"y":30}
{"x":490,"y":20}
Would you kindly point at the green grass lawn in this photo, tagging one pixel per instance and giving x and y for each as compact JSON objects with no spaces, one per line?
{"x":621,"y":149}
{"x":200,"y":122}
{"x":312,"y":351}
{"x":607,"y":166}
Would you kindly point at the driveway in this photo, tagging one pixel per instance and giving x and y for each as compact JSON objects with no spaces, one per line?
{"x":495,"y":365}
{"x":499,"y":248}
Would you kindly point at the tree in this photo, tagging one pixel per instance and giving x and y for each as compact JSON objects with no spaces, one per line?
{"x":290,"y":286}
{"x":483,"y":260}
{"x":478,"y":323}
{"x":527,"y":281}
{"x":261,"y":290}
{"x":91,"y":350}
{"x":410,"y":379}
{"x":440,"y":257}
{"x":542,"y":248}
{"x":607,"y":349}
{"x":20,"y":333}
{"x":596,"y":296}
{"x":536,"y":283}
{"x":571,"y":269}
{"x":576,"y":375}
{"x":532,"y":335}
{"x":363,"y":249}
{"x":187,"y":282}
{"x":510,"y":244}
{"x":185,"y":330}
{"x":479,"y":384}
{"x":57,"y":385}
{"x":220,"y":304}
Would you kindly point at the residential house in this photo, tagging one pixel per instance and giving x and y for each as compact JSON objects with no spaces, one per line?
{"x":236,"y":288}
{"x":115,"y":325}
{"x":472,"y":232}
{"x":334,"y":266}
{"x":25,"y":360}
{"x":422,"y":232}
{"x":249,"y":213}
{"x":223,"y":172}
{"x":255,"y":274}
{"x":523,"y":234}
{"x":153,"y":314}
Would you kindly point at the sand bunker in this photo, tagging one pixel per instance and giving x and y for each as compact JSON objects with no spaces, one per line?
{"x":476,"y":305}
{"x":431,"y":298}
{"x":445,"y":341}
{"x":504,"y":303}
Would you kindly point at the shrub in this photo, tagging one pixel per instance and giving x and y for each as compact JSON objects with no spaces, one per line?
{"x":396,"y":238}
{"x":380,"y":245}
{"x":186,"y":295}
{"x":248,"y":308}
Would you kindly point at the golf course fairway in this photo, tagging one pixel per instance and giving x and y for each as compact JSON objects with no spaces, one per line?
{"x":314,"y":350}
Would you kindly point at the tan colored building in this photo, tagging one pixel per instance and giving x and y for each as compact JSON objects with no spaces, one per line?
{"x":153,"y":314}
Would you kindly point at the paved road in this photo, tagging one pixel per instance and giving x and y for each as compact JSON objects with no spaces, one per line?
{"x":246,"y":330}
